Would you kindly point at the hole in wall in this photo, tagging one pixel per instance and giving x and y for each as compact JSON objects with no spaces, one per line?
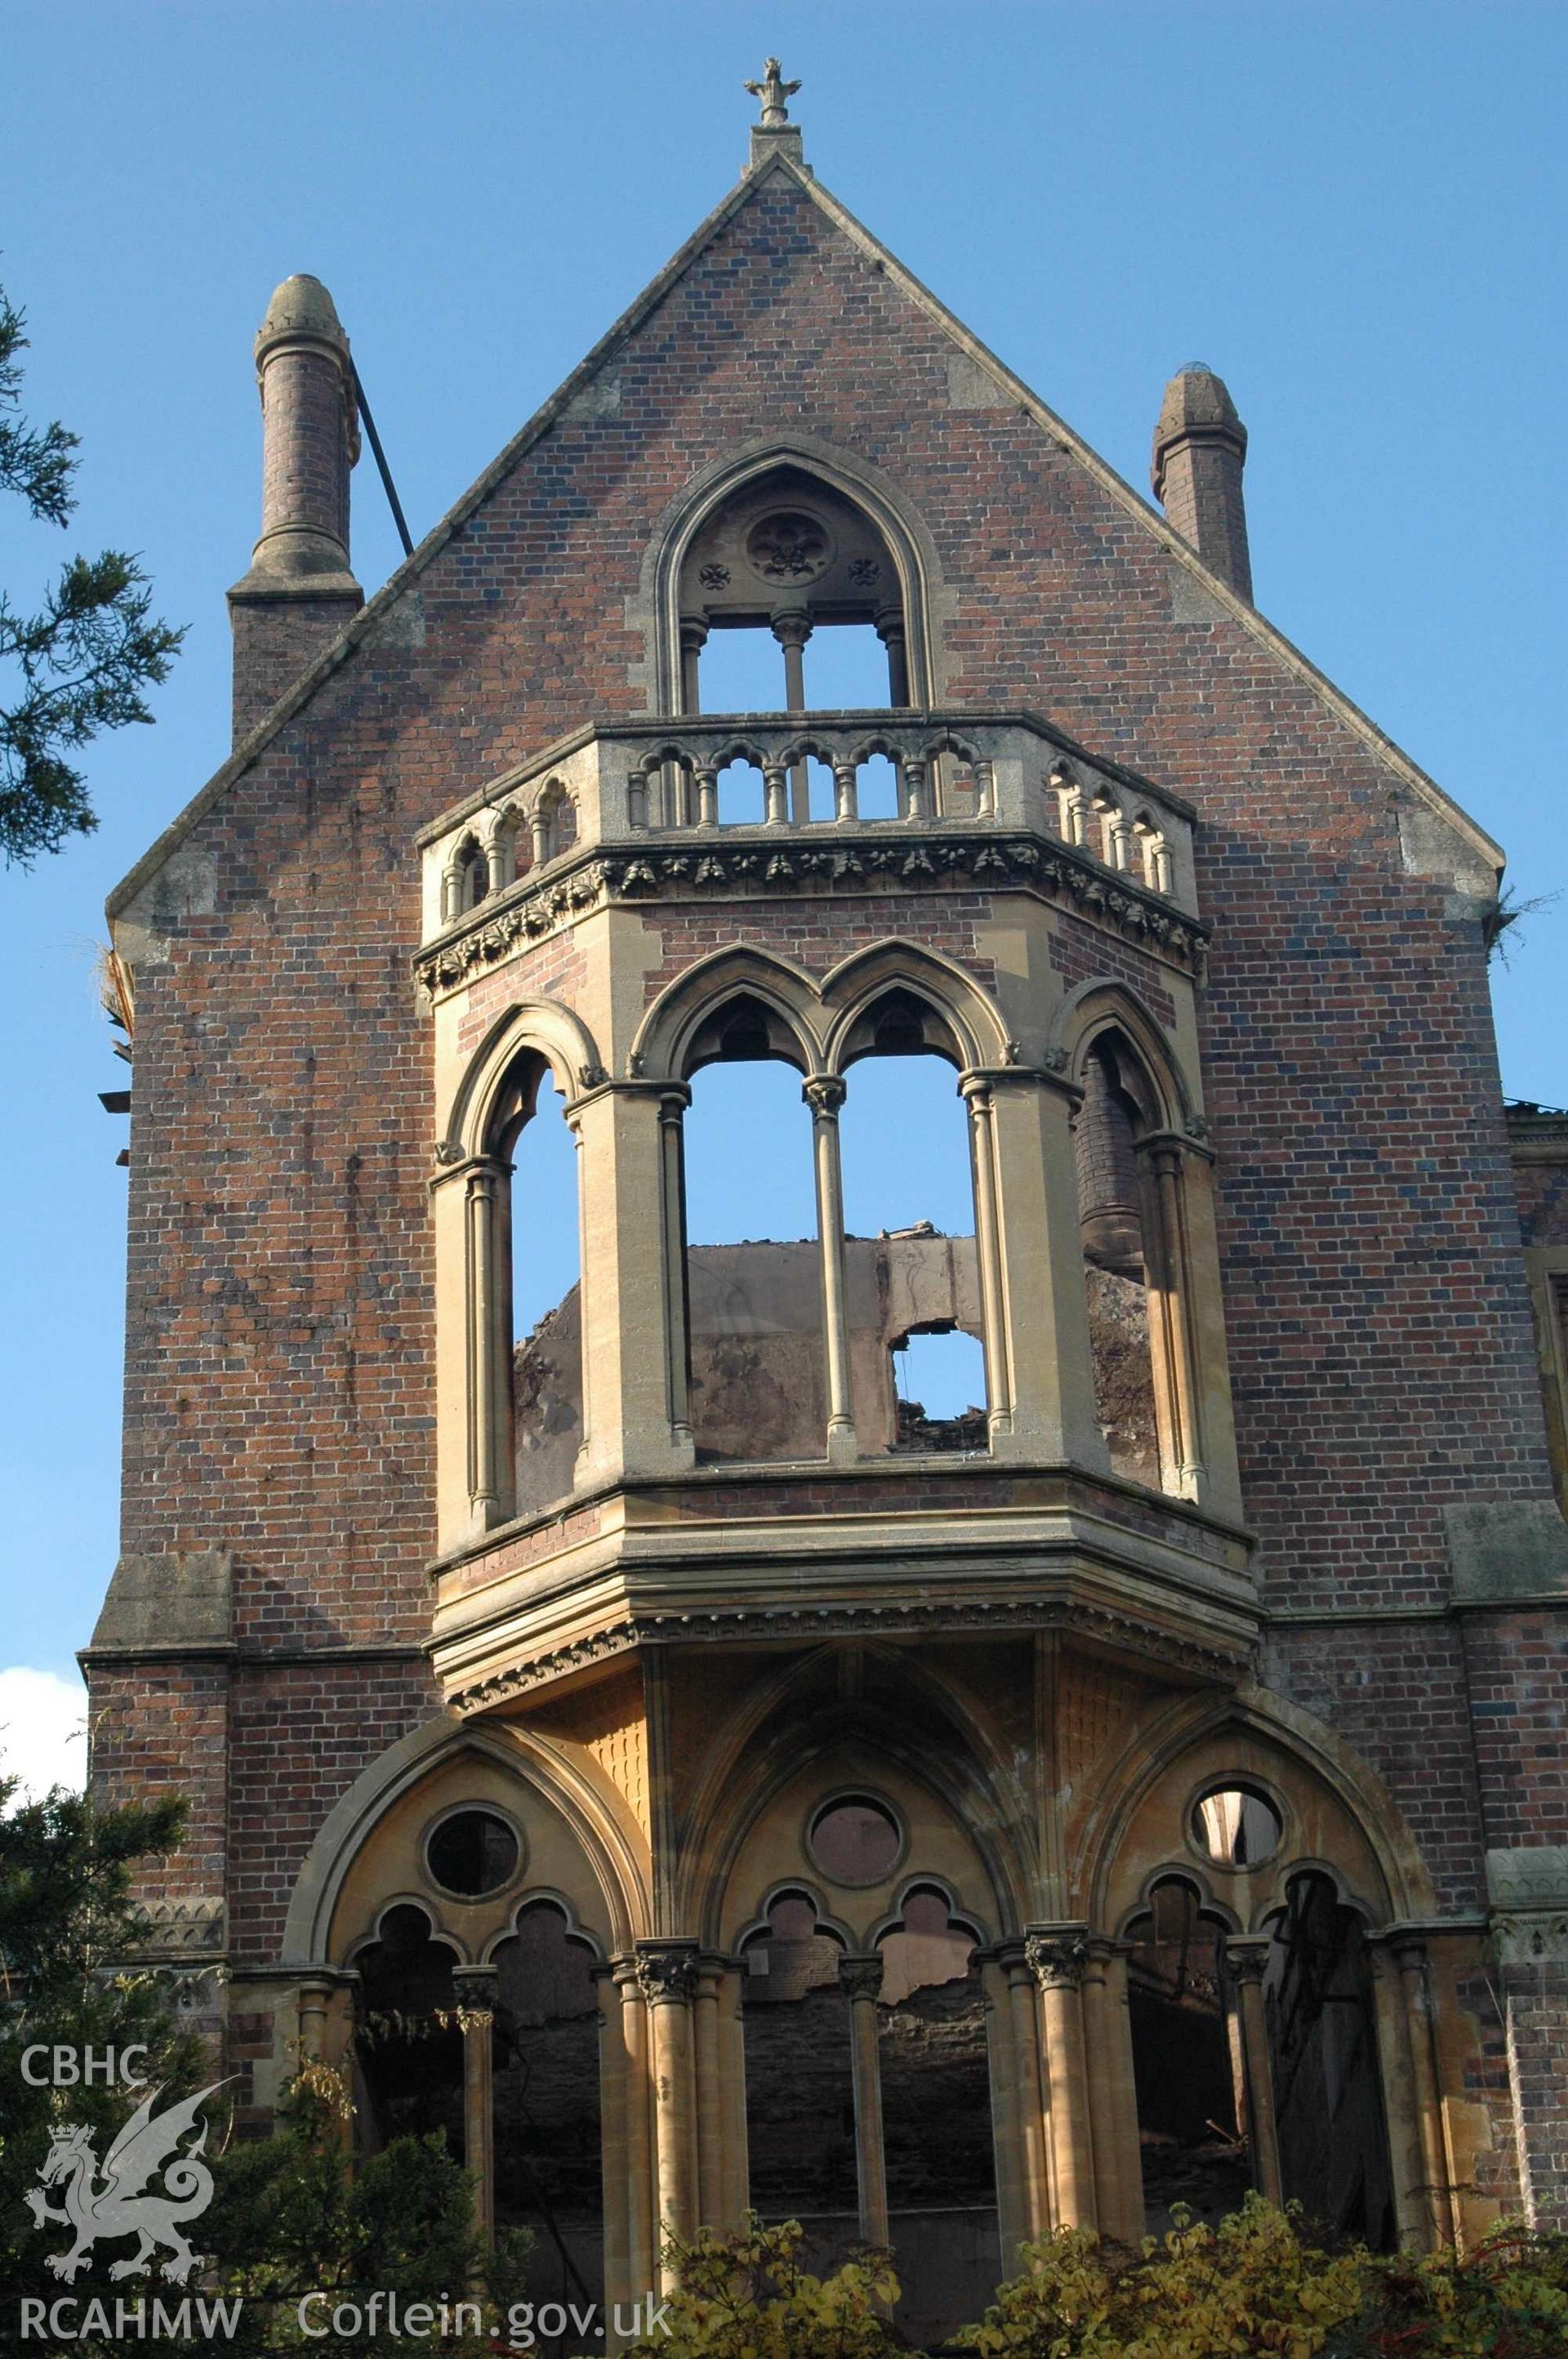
{"x":855,"y":1841}
{"x":1235,"y":1827}
{"x":472,"y":1853}
{"x":876,"y":787}
{"x":741,"y":671}
{"x":846,"y":670}
{"x":743,"y":795}
{"x":546,"y":1308}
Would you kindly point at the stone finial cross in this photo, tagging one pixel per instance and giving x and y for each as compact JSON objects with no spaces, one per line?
{"x":773,"y":90}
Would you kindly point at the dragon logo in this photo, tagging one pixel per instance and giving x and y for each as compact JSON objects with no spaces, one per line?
{"x":111,"y":2203}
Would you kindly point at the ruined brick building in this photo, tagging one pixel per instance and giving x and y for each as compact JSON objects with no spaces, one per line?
{"x":1144,"y":1779}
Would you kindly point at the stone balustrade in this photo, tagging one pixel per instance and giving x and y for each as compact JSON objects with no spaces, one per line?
{"x":660,"y":779}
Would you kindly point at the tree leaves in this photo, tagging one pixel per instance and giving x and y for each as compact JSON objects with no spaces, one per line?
{"x":81,"y":663}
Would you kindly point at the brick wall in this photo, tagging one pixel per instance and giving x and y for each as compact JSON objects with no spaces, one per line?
{"x":280,"y":1340}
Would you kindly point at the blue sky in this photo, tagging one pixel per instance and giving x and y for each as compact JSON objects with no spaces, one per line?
{"x":1354,"y":212}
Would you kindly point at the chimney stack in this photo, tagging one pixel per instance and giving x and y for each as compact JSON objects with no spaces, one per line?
{"x":1200,"y":449}
{"x":299,"y":592}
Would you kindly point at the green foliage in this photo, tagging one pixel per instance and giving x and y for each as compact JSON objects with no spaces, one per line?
{"x":1507,"y":2299}
{"x":81,"y":664}
{"x":65,"y":1873}
{"x":291,"y":2213}
{"x":1253,"y":2284}
{"x":746,"y":2297}
{"x":294,"y":2215}
{"x":1250,"y":2285}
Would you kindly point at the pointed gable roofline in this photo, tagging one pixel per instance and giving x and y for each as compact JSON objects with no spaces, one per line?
{"x":372,"y":617}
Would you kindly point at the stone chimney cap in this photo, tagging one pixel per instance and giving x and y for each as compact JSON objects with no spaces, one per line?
{"x":1196,"y":403}
{"x":301,"y":307}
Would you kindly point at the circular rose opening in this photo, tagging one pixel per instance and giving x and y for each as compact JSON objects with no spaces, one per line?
{"x":855,"y":1841}
{"x":1234,"y":1827}
{"x":472,"y":1852}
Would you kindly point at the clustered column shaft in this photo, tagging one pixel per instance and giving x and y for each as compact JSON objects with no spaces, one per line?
{"x":823,"y":1093}
{"x":860,"y":1979}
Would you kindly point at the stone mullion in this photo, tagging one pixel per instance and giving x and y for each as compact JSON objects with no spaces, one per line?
{"x":823,"y":1093}
{"x":1057,"y":1961}
{"x":1112,"y":2104}
{"x":1412,"y":2205}
{"x":625,"y":1259}
{"x":673,"y":1103}
{"x":889,"y":630}
{"x":791,"y":629}
{"x":489,"y":1334}
{"x":476,"y":2000}
{"x":860,"y":1979}
{"x":1410,"y":1959}
{"x":708,"y":2065}
{"x":614,"y":2168}
{"x":1030,"y":1255}
{"x":642,"y":2193}
{"x":1011,"y":2198}
{"x":1173,"y":1307}
{"x":987,"y":1254}
{"x":1248,"y":1960}
{"x":732,"y":2062}
{"x":1034,"y":2148}
{"x":693,"y":639}
{"x":667,"y":1972}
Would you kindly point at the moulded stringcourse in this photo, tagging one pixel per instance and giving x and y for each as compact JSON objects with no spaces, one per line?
{"x":681,"y":870}
{"x":1119,"y":1630}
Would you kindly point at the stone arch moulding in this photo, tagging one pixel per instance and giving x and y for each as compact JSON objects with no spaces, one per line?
{"x":554,"y":1032}
{"x":1102,"y":1006}
{"x":653,"y":609}
{"x":1179,"y":1871}
{"x":766,"y":1749}
{"x":395,"y":1774}
{"x":909,"y":1885}
{"x":858,"y":981}
{"x":666,"y":1035}
{"x":1299,"y":1743}
{"x":544,"y":1895}
{"x":793,"y":1887}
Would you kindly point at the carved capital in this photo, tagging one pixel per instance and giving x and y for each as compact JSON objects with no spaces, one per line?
{"x":823,"y":1092}
{"x":860,"y":1977}
{"x":792,"y":626}
{"x":1531,"y":1937}
{"x":1247,"y":1960}
{"x":667,"y":1972}
{"x":1409,"y":1951}
{"x":1057,"y":1961}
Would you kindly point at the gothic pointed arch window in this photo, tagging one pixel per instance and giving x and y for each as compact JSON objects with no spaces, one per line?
{"x":1144,"y":1312}
{"x":800,"y":2103}
{"x":751,"y":1261}
{"x":546,"y":2099}
{"x":910,"y":1232}
{"x":410,"y":2054}
{"x":790,"y":599}
{"x":525,"y":1384}
{"x":1323,"y":2053}
{"x":1187,"y":2059}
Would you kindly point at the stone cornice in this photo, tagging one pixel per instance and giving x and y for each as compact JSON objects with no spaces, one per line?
{"x":724,"y":1626}
{"x":754,"y":864}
